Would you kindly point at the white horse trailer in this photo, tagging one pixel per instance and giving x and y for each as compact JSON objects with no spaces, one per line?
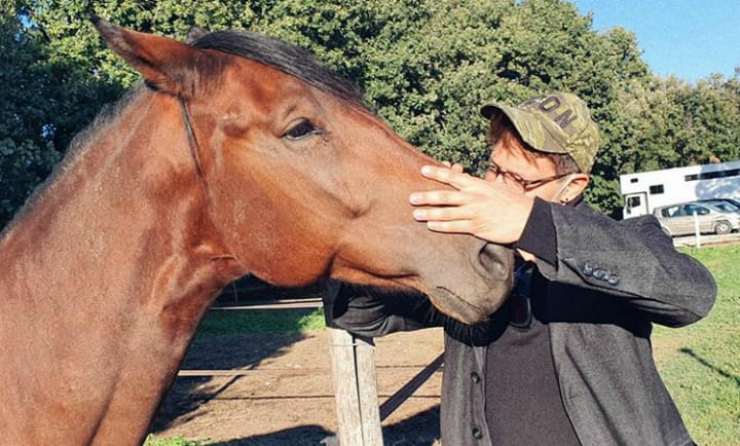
{"x":645,"y":191}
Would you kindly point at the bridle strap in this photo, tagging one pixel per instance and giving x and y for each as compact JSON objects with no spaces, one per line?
{"x":192,"y":140}
{"x":194,"y":152}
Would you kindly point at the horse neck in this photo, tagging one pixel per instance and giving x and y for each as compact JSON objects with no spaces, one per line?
{"x":109,"y":271}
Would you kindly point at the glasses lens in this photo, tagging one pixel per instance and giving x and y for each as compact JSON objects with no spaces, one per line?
{"x":510,"y":178}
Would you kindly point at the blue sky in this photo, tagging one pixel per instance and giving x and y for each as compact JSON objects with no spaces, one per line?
{"x":689,"y":39}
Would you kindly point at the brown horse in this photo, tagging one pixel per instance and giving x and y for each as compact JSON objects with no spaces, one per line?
{"x":239,"y":155}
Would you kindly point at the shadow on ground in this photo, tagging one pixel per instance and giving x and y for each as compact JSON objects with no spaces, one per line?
{"x":247,"y":351}
{"x":232,"y":351}
{"x":419,"y":430}
{"x":710,"y":366}
{"x":213,"y":351}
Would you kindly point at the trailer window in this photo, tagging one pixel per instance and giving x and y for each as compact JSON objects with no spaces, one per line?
{"x":657,"y":189}
{"x":713,"y":175}
{"x":633,"y":202}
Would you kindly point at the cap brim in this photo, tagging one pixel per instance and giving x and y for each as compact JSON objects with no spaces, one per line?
{"x":487,"y":111}
{"x":527,"y":124}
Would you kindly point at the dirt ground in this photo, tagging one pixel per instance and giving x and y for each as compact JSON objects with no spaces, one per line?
{"x":287,"y":397}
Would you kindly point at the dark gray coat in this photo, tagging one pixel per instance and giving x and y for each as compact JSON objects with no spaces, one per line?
{"x":599,"y":331}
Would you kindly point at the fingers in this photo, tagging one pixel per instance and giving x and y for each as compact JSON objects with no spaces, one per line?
{"x":457,"y":226}
{"x":443,"y":214}
{"x":452,"y":176}
{"x":439,"y":198}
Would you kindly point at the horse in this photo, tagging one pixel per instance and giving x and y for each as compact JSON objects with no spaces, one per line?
{"x":238,"y":154}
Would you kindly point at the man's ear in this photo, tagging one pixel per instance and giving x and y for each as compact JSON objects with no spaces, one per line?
{"x":166,"y":64}
{"x":578,"y":183}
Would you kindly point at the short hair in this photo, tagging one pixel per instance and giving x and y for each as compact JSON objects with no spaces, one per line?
{"x":501,"y":129}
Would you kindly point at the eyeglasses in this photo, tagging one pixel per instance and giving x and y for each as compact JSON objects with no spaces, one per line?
{"x":524,"y":184}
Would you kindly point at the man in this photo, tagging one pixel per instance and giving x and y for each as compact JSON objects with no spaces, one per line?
{"x":567,"y":360}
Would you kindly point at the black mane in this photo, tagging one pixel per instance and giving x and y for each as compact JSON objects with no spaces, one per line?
{"x":285,"y":57}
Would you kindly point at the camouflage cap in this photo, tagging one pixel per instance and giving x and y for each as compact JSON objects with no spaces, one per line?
{"x":554,"y":123}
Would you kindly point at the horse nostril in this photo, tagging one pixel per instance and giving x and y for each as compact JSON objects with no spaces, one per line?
{"x":496,"y":261}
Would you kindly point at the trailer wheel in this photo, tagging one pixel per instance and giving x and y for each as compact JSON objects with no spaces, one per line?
{"x":722,"y":227}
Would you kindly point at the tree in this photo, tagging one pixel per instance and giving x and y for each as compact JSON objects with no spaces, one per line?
{"x":426,"y":67}
{"x":26,"y":151}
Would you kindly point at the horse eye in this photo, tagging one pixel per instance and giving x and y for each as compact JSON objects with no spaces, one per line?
{"x":300,"y":130}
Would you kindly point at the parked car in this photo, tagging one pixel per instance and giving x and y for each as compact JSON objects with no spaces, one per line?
{"x":717,"y":218}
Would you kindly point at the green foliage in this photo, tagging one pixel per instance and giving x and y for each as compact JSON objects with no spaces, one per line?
{"x":426,"y":67}
{"x":26,"y":156}
{"x":44,"y":102}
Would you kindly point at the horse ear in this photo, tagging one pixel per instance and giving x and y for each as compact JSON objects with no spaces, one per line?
{"x":166,"y":64}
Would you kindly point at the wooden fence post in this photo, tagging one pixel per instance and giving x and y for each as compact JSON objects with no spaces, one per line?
{"x":355,"y":390}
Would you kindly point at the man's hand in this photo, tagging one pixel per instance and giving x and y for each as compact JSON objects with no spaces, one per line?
{"x":490,"y":211}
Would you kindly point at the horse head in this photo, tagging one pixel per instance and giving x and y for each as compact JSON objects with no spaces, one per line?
{"x":300,"y":180}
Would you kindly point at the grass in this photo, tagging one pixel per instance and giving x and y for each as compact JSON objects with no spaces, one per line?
{"x":228,"y":322}
{"x":700,"y":364}
{"x":151,"y":440}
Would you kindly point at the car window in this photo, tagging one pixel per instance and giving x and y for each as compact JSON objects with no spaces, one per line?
{"x":691,"y":209}
{"x":725,"y":206}
{"x":673,"y":211}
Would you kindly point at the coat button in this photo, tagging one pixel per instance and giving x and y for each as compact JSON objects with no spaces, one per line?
{"x":600,"y":274}
{"x":475,"y":377}
{"x":477,"y":434}
{"x":613,"y":280}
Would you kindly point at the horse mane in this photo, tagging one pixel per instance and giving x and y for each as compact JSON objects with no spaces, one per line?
{"x":283,"y":56}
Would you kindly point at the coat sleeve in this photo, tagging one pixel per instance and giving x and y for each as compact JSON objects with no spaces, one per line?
{"x":632,"y":260}
{"x":374,"y":314}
